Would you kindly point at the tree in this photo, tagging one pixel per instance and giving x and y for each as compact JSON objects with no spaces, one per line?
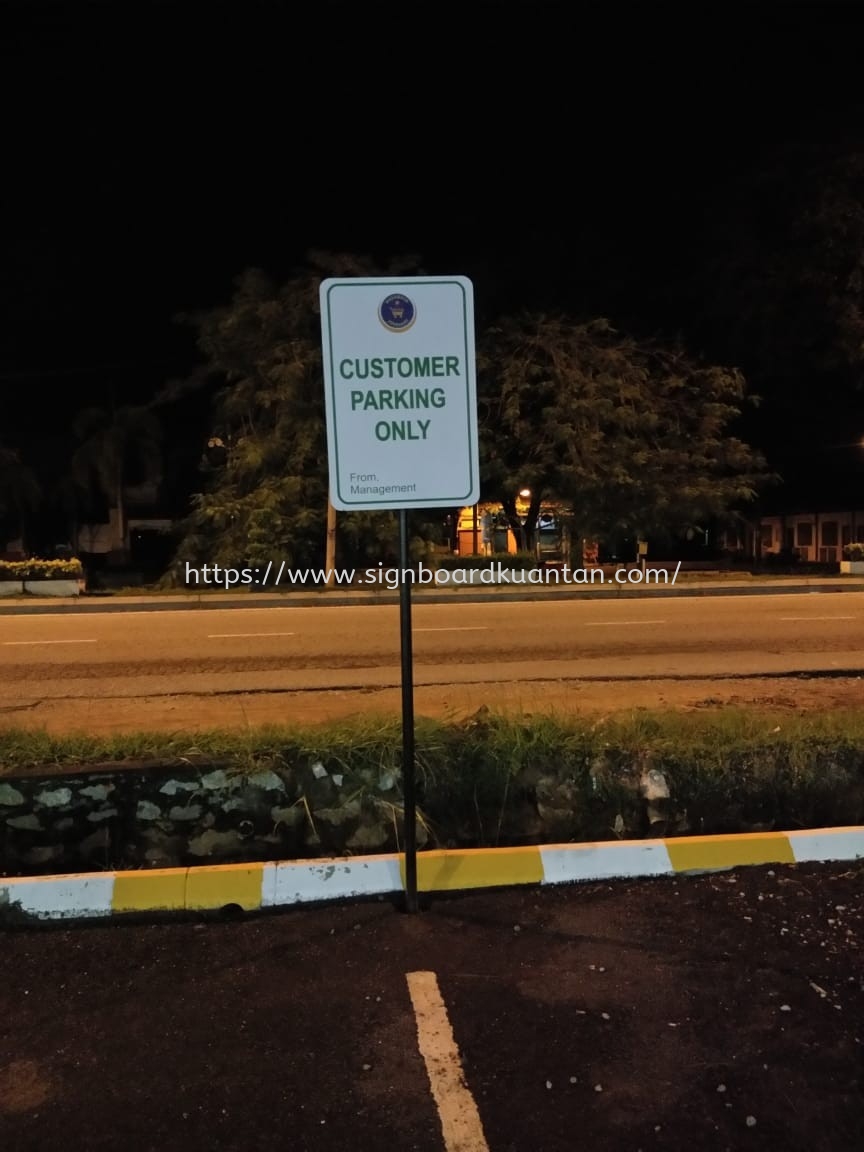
{"x":265,"y":468}
{"x":113,"y":446}
{"x":633,"y":436}
{"x":19,"y":492}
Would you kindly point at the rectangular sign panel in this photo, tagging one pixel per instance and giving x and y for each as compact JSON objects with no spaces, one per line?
{"x":401,"y":392}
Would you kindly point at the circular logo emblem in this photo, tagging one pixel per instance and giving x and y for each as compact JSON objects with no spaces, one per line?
{"x":397,"y":313}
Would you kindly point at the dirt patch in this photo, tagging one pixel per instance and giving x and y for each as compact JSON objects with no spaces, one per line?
{"x":22,"y":1087}
{"x":157,"y":713}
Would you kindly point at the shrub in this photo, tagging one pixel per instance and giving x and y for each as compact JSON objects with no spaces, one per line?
{"x":34,"y":569}
{"x":853,"y":552}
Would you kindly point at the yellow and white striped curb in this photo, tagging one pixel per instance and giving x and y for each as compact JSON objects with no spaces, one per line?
{"x":255,"y":886}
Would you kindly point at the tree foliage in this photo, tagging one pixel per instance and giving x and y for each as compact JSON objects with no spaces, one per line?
{"x":635,"y":436}
{"x":632,"y":435}
{"x":265,"y":468}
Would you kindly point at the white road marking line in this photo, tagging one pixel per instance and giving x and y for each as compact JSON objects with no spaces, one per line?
{"x":149,"y":612}
{"x":244,"y":635}
{"x":22,"y":643}
{"x":808,"y":618}
{"x":457,"y":1111}
{"x":619,"y":623}
{"x":451,"y":629}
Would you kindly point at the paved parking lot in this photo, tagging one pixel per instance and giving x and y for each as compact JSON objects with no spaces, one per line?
{"x":715,"y":1012}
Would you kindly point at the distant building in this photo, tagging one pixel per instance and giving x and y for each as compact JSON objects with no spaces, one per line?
{"x":810,"y":536}
{"x":484,"y":529}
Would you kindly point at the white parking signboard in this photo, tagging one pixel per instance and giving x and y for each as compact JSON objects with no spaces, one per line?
{"x":400,"y":392}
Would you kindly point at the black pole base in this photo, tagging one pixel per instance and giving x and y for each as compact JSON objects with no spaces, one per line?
{"x":404,"y":903}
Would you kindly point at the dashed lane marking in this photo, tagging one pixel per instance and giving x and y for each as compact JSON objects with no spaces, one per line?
{"x":807,"y":619}
{"x":618,"y":623}
{"x":244,"y":635}
{"x":30,"y":643}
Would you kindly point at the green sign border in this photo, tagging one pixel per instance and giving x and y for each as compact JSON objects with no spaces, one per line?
{"x":457,"y":501}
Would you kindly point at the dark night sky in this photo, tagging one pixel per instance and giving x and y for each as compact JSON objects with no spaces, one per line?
{"x":561,"y":156}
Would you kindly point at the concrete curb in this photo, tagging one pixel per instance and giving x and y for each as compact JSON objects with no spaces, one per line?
{"x":184,"y":603}
{"x":252,"y":887}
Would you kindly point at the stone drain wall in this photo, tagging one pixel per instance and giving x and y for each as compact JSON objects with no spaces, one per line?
{"x":167,"y":816}
{"x":125,"y":816}
{"x":293,"y":806}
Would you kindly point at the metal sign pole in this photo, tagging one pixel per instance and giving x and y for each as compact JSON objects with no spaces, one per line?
{"x":408,"y":755}
{"x":424,"y":457}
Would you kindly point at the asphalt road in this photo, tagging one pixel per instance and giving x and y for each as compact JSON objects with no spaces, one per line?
{"x":135,"y":654}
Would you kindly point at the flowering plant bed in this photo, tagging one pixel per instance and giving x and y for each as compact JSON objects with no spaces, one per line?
{"x":41,"y":577}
